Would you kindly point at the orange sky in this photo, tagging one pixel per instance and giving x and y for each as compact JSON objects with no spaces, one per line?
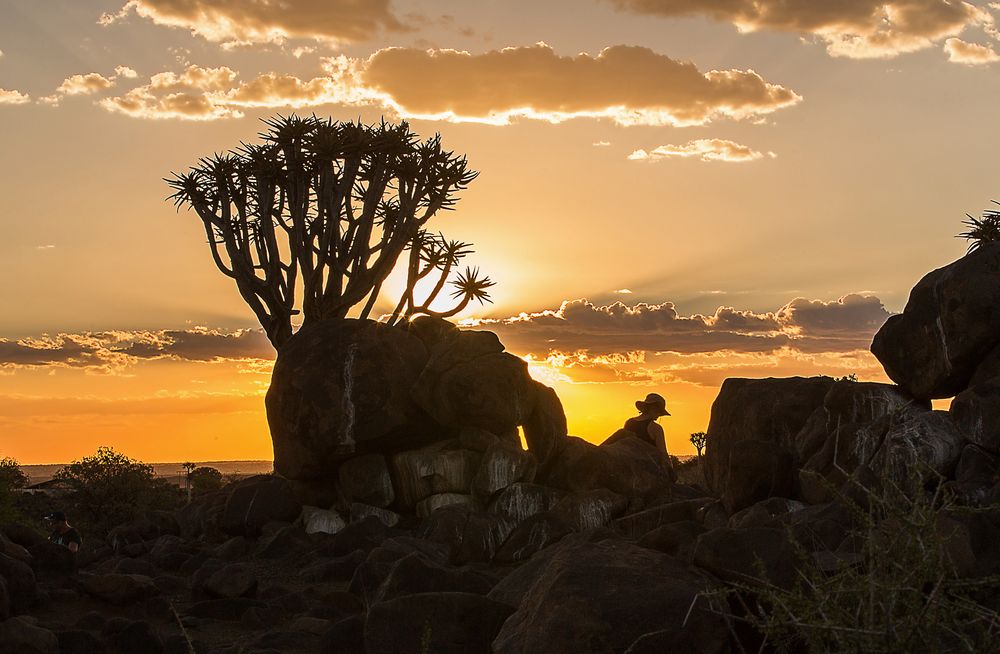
{"x":670,"y":193}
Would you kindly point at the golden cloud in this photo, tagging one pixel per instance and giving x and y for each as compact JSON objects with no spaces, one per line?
{"x":850,"y":28}
{"x":190,"y":95}
{"x":630,"y":85}
{"x":703,"y":149}
{"x":13,"y":97}
{"x":234,"y":22}
{"x":85,"y":84}
{"x":973,"y":54}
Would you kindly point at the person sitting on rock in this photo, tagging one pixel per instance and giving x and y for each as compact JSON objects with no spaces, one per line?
{"x":644,"y":427}
{"x":62,"y":533}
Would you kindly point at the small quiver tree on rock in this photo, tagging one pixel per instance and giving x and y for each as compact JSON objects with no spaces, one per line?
{"x":328,"y":208}
{"x":309,"y":223}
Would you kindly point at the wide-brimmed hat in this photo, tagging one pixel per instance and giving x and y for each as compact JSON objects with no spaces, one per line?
{"x":653,"y":402}
{"x":56,"y":516}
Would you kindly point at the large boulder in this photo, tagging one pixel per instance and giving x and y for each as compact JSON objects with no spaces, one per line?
{"x":20,"y":636}
{"x":755,"y":555}
{"x":912,"y":445}
{"x":443,"y":623}
{"x":435,"y":469}
{"x":366,"y":479}
{"x":950,"y":323}
{"x":638,"y":590}
{"x":469,"y":381}
{"x":341,"y":387}
{"x":503,"y":464}
{"x":20,"y":582}
{"x":416,"y":573}
{"x":628,"y":466}
{"x":976,"y":474}
{"x":847,"y":405}
{"x":255,"y":502}
{"x":545,"y":429}
{"x":520,"y":501}
{"x":120,"y":589}
{"x":532,"y":536}
{"x":919,"y":446}
{"x":769,"y":413}
{"x":976,"y":411}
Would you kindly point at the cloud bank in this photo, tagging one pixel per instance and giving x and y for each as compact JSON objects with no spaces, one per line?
{"x":579,"y":342}
{"x":842,"y":325}
{"x":112,"y":351}
{"x":629,"y":85}
{"x":237,"y":22}
{"x":859,"y":29}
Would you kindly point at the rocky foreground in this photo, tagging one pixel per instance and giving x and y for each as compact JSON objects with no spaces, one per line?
{"x":377,"y":537}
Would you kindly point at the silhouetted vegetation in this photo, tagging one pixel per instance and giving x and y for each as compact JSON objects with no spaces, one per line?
{"x":11,"y":478}
{"x":699,"y":439}
{"x":985,"y":229}
{"x":901,"y":588}
{"x":205,"y":479}
{"x":109,"y":488}
{"x":328,"y":207}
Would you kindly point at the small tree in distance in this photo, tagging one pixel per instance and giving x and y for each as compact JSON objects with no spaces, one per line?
{"x":109,"y":488}
{"x":328,"y":207}
{"x":11,"y":475}
{"x":11,"y":478}
{"x":204,"y":479}
{"x":699,"y":439}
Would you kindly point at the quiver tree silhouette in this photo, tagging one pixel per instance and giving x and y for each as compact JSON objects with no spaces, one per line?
{"x":328,"y":207}
{"x":699,"y":439}
{"x":985,"y":229}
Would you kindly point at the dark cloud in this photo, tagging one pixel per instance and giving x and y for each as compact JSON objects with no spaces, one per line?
{"x":115,"y":350}
{"x":849,"y":28}
{"x":849,"y":316}
{"x":842,"y":325}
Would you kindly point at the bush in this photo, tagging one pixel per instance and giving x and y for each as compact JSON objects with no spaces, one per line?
{"x":11,"y":478}
{"x":11,"y":475}
{"x":901,"y":591}
{"x":109,"y":488}
{"x":205,"y":479}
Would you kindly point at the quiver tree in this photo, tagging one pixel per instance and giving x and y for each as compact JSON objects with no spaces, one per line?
{"x":326,"y":208}
{"x":982,"y":230}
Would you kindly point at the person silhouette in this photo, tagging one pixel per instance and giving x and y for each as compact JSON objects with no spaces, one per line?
{"x":644,"y":427}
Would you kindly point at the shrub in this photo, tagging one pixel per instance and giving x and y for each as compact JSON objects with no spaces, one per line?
{"x":108,"y":488}
{"x":11,"y":477}
{"x":901,"y":591}
{"x":205,"y":479}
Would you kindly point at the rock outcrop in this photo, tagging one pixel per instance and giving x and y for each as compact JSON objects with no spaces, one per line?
{"x":352,"y":400}
{"x":340,"y":387}
{"x":753,"y":444}
{"x":950,"y":324}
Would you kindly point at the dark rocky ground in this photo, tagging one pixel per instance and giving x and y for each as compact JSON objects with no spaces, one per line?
{"x":409,"y":519}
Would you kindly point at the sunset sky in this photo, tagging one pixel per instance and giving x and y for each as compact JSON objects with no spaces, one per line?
{"x":672,"y":192}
